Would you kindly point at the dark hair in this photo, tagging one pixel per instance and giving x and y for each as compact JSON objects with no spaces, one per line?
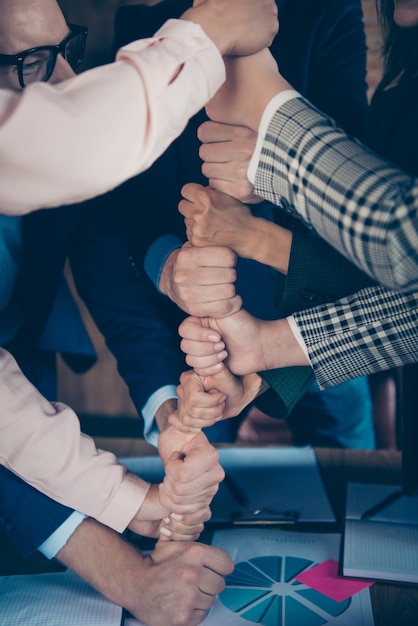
{"x":400,"y":45}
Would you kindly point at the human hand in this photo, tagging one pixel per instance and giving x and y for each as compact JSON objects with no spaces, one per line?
{"x":251,"y":82}
{"x":205,"y":401}
{"x":252,"y":345}
{"x":243,"y":338}
{"x":176,"y":584}
{"x":192,"y":474}
{"x":201,"y":280}
{"x":237,"y":26}
{"x":155,"y":520}
{"x":213,"y":218}
{"x":226,"y":152}
{"x":180,"y":583}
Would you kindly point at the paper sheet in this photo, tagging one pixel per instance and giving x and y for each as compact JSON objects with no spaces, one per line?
{"x":54,"y":600}
{"x":263,"y":588}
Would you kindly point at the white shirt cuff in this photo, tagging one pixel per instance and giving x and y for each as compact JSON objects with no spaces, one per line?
{"x":298,"y":336}
{"x":275,"y":103}
{"x":51,"y":546}
{"x":154,"y":402}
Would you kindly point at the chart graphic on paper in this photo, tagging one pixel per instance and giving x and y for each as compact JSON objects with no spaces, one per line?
{"x":263,"y":591}
{"x":263,"y":588}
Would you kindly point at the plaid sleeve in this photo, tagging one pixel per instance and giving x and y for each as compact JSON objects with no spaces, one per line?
{"x":361,"y":204}
{"x":370,"y":331}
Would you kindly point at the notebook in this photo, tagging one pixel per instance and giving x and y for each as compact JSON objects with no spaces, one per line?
{"x":383,"y":545}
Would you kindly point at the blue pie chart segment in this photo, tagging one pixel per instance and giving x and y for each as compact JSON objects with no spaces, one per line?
{"x":328,"y":604}
{"x":248,"y":574}
{"x":271,"y":567}
{"x":263,"y":591}
{"x":296,"y":613}
{"x":239,"y":599}
{"x":268,"y":612}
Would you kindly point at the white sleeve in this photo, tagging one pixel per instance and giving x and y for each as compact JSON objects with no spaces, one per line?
{"x":275,"y":103}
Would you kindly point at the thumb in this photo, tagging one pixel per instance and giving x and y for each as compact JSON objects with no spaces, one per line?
{"x":176,"y":456}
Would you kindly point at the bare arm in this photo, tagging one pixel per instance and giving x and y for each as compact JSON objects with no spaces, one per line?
{"x":179,"y":579}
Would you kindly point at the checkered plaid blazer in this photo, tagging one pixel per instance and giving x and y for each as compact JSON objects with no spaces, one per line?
{"x":366,"y":209}
{"x":359,"y":203}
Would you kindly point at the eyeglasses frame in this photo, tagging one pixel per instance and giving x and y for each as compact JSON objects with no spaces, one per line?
{"x":17,"y":59}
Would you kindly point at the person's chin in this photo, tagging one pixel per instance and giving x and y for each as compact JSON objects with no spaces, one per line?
{"x":405,"y":13}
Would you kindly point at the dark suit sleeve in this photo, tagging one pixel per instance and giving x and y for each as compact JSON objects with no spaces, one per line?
{"x":317,"y":274}
{"x":140,"y":334}
{"x":27,"y":516}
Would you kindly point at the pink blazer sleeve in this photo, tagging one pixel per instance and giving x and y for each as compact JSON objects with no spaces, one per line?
{"x":64,"y":143}
{"x":41,"y":442}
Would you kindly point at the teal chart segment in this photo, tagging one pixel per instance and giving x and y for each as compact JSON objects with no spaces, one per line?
{"x":264,"y":591}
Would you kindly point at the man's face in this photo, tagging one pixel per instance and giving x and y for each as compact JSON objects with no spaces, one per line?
{"x":26,"y":24}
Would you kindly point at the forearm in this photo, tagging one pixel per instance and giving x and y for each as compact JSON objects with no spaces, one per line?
{"x":269,"y":344}
{"x":87,"y":554}
{"x":273,"y":246}
{"x":30,"y":515}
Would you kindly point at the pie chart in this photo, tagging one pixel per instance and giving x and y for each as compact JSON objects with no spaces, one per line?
{"x":263,"y":590}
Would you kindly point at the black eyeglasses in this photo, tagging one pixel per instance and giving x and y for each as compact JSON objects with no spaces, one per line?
{"x":37,"y":64}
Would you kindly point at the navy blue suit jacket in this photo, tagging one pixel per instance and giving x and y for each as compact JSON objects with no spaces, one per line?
{"x":27,"y":516}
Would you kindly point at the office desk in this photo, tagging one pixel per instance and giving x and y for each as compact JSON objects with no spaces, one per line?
{"x":393,"y":604}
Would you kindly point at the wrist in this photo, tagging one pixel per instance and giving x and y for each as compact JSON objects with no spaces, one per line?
{"x":253,"y":385}
{"x":163,"y":413}
{"x":280,"y":347}
{"x":149,"y":515}
{"x":166,"y":276}
{"x":200,"y":15}
{"x":250,"y":387}
{"x":275,"y":243}
{"x":252,"y":240}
